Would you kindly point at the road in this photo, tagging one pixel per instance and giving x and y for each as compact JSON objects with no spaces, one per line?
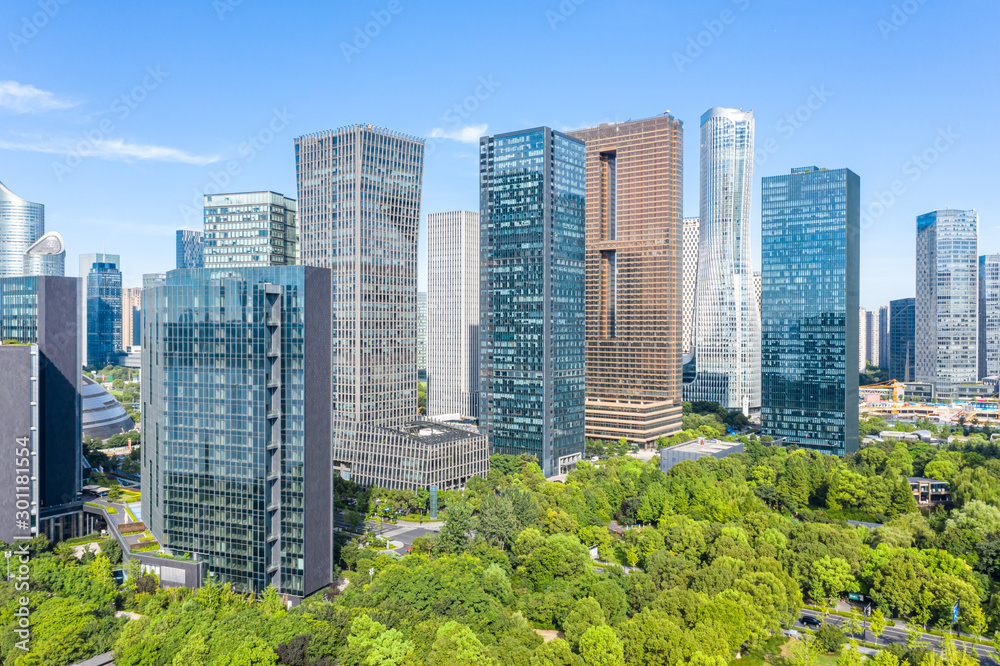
{"x":897,"y":634}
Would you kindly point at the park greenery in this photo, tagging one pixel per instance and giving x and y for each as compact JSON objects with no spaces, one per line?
{"x":632,"y":565}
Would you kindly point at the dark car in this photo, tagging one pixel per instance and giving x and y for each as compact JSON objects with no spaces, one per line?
{"x":809,"y":621}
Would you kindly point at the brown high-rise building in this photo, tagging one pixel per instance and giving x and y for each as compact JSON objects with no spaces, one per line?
{"x":634,"y":242}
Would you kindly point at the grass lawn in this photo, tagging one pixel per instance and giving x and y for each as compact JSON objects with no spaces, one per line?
{"x":771,"y":646}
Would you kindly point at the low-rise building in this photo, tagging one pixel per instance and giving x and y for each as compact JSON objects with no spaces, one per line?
{"x":929,"y":492}
{"x":696,"y":448}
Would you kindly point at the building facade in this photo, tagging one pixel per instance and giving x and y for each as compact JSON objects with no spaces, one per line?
{"x":902,"y":341}
{"x":87,"y":262}
{"x":422,"y":335}
{"x":989,"y":315}
{"x":947,"y":304}
{"x":131,"y":317}
{"x":250,"y":229}
{"x":862,"y":340}
{"x":727,"y":323}
{"x":883,"y":337}
{"x":453,"y":314}
{"x":104,"y":314}
{"x":689,"y":279}
{"x":532,"y":283}
{"x":41,"y":408}
{"x":25,"y":248}
{"x":810,"y":259}
{"x":190,"y":249}
{"x":872,"y":350}
{"x":236,"y":460}
{"x":634,"y":273}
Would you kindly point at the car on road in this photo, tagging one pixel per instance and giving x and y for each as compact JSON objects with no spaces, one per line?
{"x":809,"y":621}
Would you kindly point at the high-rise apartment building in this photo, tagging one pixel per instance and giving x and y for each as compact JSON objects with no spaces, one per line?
{"x":25,"y":248}
{"x":422,"y":335}
{"x":727,"y":321}
{"x":883,"y":337}
{"x":689,"y":278}
{"x":871,"y":337}
{"x":902,"y":343}
{"x":532,"y":311}
{"x":989,"y":315}
{"x":809,"y":337}
{"x":453,"y":314}
{"x":104,"y":314}
{"x":131,"y":317}
{"x":947,"y":305}
{"x":236,"y":465}
{"x":87,"y":262}
{"x":862,"y":340}
{"x":190,"y":249}
{"x":40,"y":408}
{"x":250,"y":229}
{"x":634,"y":273}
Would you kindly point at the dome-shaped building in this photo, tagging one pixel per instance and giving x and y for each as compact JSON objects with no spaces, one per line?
{"x":103,"y":415}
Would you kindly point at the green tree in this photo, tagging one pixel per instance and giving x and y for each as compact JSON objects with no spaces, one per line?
{"x":556,"y":652}
{"x":600,"y":646}
{"x":454,"y":536}
{"x":586,"y":613}
{"x":877,"y":622}
{"x":830,"y":577}
{"x":456,"y":645}
{"x":830,"y":637}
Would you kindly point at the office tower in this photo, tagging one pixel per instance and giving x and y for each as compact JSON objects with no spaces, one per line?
{"x":40,"y":408}
{"x":809,"y":337}
{"x":153,"y":279}
{"x":46,"y":256}
{"x":250,"y":229}
{"x":190,"y":249}
{"x":758,"y":287}
{"x":989,"y":315}
{"x":87,"y":262}
{"x":862,"y":340}
{"x":453,"y":314}
{"x":883,"y":337}
{"x":236,"y":465}
{"x":25,"y":248}
{"x":947,"y":305}
{"x":634,"y":279}
{"x":689,"y":286}
{"x":871,"y":337}
{"x":533,"y":286}
{"x":104,"y":314}
{"x":902,"y":345}
{"x":422,"y":335}
{"x":727,"y":325}
{"x":131,"y":317}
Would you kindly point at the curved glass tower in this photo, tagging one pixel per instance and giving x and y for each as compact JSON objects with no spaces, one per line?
{"x":21,"y":224}
{"x":727,"y":322}
{"x":46,"y":256}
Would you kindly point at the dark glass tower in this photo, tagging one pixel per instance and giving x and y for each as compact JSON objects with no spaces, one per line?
{"x":190,"y":249}
{"x":902,"y":330}
{"x":104,"y":314}
{"x":532,"y":285}
{"x":810,"y":256}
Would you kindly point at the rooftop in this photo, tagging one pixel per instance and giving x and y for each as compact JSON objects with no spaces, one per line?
{"x":702,"y":445}
{"x":435,"y":432}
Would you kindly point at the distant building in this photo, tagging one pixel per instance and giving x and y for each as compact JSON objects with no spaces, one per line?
{"x":883,"y":337}
{"x":929,"y":492}
{"x":190,"y":249}
{"x":104,"y":314}
{"x":25,"y":248}
{"x":153,"y":279}
{"x":989,"y":315}
{"x":422,"y":335}
{"x":862,"y":340}
{"x":87,"y":262}
{"x":947,"y":304}
{"x":689,"y":285}
{"x":103,"y":415}
{"x":871,"y":337}
{"x":250,"y":229}
{"x":902,"y":352}
{"x":40,"y":404}
{"x":131,"y":317}
{"x":696,"y":448}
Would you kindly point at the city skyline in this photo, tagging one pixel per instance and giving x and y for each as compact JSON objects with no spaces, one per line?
{"x":848,"y":117}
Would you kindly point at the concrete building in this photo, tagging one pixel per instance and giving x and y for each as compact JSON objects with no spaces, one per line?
{"x":689,"y":279}
{"x":727,"y":323}
{"x":40,"y":404}
{"x":883,"y":337}
{"x":862,"y":340}
{"x":902,"y":345}
{"x":422,"y":335}
{"x":947,"y":303}
{"x":696,"y":448}
{"x":532,"y":281}
{"x":190,"y":250}
{"x":635,"y":238}
{"x":989,"y":315}
{"x":131,"y":317}
{"x":453,"y":314}
{"x":872,"y":350}
{"x":250,"y":229}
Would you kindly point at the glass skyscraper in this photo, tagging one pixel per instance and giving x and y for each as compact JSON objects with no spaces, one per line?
{"x":25,"y":248}
{"x":989,"y":315}
{"x":250,"y":229}
{"x":947,"y":305}
{"x":883,"y":337}
{"x":810,"y":258}
{"x":532,"y":309}
{"x":190,"y":249}
{"x":689,"y":286}
{"x":902,"y":345}
{"x":87,"y":262}
{"x":236,"y":423}
{"x":727,"y":321}
{"x":104,"y":314}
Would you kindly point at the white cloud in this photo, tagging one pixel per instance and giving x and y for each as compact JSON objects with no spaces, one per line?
{"x":467,"y":134}
{"x":108,"y":149}
{"x":23,"y":98}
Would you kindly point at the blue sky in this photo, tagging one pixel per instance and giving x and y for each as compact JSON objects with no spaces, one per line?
{"x":117,"y":118}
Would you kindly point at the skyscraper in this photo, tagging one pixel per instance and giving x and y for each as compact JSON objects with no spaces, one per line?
{"x":153,"y":279}
{"x":190,"y":249}
{"x":104,"y":314}
{"x":634,"y":302}
{"x":532,"y":311}
{"x":453,"y":313}
{"x":758,"y":287}
{"x":883,"y":337}
{"x":902,"y":345}
{"x":46,"y":256}
{"x":871,"y":337}
{"x":25,"y":248}
{"x":947,"y":305}
{"x":689,"y":281}
{"x":989,"y":315}
{"x":236,"y":464}
{"x":727,"y":323}
{"x":250,"y":229}
{"x":862,"y":340}
{"x":809,"y":342}
{"x":87,"y":262}
{"x":422,"y":335}
{"x":40,"y":408}
{"x":131,"y":317}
